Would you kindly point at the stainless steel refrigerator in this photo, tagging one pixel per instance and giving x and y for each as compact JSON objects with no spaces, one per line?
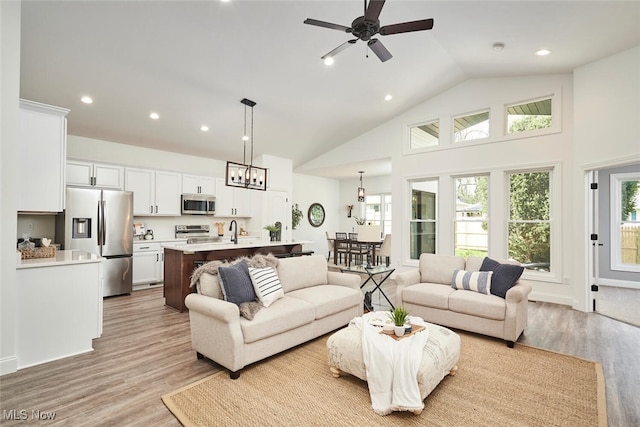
{"x":101,"y":222}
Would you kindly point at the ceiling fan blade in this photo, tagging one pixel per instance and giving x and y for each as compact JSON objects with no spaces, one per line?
{"x":378,"y":48}
{"x":327,"y":25}
{"x":407,"y":27}
{"x":373,"y":10}
{"x":339,"y":49}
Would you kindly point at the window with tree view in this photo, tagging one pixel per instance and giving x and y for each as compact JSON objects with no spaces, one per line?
{"x":422,"y":233}
{"x":529,"y":236}
{"x":471,"y":216}
{"x":529,"y":116}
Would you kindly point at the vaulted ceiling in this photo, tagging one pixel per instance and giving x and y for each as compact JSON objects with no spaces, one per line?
{"x":192,"y":63}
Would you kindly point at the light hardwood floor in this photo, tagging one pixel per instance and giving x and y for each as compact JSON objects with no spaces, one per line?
{"x":145,"y":352}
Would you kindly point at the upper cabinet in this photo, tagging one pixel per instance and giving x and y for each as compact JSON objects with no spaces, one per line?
{"x":193,"y":184}
{"x":154,"y":192}
{"x":87,"y":174}
{"x":42,"y":157}
{"x":231,"y":201}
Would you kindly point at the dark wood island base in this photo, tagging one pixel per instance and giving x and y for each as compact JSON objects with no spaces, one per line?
{"x":179,"y":265}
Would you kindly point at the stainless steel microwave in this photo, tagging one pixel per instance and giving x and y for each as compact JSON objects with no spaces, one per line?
{"x":198,"y":204}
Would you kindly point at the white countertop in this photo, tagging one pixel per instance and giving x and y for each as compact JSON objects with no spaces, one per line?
{"x":61,"y":258}
{"x":242,"y":243}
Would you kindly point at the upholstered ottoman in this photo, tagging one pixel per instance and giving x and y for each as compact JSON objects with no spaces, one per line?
{"x":439,"y":358}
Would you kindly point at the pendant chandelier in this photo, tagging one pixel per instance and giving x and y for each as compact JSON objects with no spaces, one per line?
{"x":246,"y":175}
{"x":361,"y":188}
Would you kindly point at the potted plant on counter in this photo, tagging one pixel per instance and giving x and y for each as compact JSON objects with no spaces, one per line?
{"x":399,"y":316}
{"x":273,"y":231}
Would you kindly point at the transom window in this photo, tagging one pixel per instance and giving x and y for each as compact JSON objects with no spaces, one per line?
{"x":471,"y":126}
{"x":424,"y":135}
{"x":529,"y":116}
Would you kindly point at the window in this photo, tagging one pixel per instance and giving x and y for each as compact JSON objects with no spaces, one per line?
{"x":471,"y":216}
{"x":424,"y":135}
{"x":471,"y":127}
{"x":422,"y":226}
{"x":530,"y":116}
{"x":529,"y":225}
{"x":625,"y":222}
{"x":378,"y":211}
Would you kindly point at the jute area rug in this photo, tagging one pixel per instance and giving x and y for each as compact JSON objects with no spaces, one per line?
{"x":495,"y":386}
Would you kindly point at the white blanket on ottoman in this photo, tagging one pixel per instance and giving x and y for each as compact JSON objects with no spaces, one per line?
{"x":392,"y":366}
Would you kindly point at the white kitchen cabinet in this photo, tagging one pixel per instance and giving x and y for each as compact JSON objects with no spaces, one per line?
{"x":147,"y":264}
{"x":43,"y":150}
{"x":231,"y":201}
{"x":154,"y":192}
{"x":194,"y":184}
{"x":87,"y":174}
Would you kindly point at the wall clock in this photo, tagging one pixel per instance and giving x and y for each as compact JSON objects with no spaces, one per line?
{"x":316,"y":214}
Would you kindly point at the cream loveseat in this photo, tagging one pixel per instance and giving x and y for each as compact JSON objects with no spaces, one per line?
{"x":316,"y":301}
{"x":428,"y":293}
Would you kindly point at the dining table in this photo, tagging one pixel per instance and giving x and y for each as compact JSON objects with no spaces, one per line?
{"x":373,"y":245}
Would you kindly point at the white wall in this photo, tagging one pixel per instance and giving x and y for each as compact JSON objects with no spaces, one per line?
{"x":607,"y":135}
{"x":9,"y":118}
{"x":310,"y":189}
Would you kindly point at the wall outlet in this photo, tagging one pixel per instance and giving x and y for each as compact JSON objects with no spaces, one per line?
{"x":30,"y":226}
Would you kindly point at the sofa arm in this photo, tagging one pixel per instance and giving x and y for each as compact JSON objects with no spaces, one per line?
{"x":403,"y":279}
{"x":518,"y":293}
{"x":343,"y":279}
{"x":218,"y":309}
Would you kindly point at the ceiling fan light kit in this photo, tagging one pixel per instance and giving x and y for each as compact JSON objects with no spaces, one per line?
{"x":367,"y":26}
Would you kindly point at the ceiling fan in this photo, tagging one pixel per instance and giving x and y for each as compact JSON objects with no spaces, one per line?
{"x":367,"y":26}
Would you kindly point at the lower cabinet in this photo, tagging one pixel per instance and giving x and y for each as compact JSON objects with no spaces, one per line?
{"x":147,"y":263}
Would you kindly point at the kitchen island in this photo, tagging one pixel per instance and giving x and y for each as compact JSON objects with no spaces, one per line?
{"x":181,"y":259}
{"x":59,"y":306}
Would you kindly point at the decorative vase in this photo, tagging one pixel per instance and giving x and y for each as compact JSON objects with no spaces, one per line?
{"x":399,"y":330}
{"x":273,"y":235}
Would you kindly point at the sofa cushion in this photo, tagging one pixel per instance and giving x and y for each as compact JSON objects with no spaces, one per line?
{"x":328,"y":299}
{"x":236,"y":283}
{"x":505,"y":276}
{"x":302,"y":272}
{"x":283,"y":315}
{"x":473,"y":263}
{"x":266,"y":284}
{"x":479,"y":305}
{"x":439,"y":268}
{"x":209,"y":285}
{"x":428,"y":294}
{"x":477,"y":281}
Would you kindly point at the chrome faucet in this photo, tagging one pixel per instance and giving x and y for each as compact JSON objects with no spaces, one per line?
{"x":234,"y":238}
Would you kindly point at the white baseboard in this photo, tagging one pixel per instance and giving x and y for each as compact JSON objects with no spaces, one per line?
{"x":552,"y":298}
{"x":8,"y":365}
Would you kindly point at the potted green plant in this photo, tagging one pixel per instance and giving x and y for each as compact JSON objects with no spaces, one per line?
{"x":296,"y":216}
{"x":273,"y":231}
{"x":399,"y":316}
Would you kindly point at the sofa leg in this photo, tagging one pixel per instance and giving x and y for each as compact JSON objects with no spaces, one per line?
{"x":510,"y":344}
{"x":200,"y":356}
{"x":234,"y":375}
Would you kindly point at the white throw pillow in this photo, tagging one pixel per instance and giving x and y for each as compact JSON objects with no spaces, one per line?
{"x":266,"y":284}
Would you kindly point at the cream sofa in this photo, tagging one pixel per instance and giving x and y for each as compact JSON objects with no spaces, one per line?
{"x":316,"y":301}
{"x":427,"y":293}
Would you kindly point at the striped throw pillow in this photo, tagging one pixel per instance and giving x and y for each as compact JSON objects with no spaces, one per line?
{"x":266,"y":284}
{"x":477,"y":281}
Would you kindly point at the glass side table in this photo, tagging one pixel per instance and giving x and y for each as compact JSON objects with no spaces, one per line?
{"x":381,"y":270}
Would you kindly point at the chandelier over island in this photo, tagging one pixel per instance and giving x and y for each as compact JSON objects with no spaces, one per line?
{"x":246,"y":175}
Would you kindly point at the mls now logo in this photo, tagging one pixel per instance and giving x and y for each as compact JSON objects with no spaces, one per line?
{"x":23,"y":414}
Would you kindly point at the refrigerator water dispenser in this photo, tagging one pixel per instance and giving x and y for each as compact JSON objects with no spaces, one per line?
{"x":81,"y":228}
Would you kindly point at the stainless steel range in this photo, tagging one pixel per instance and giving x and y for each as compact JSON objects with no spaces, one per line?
{"x":195,"y":234}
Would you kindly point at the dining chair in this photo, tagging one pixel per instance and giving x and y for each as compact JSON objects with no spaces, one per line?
{"x":385,"y":250}
{"x":330,"y":244}
{"x":357,"y":249}
{"x":341,"y":246}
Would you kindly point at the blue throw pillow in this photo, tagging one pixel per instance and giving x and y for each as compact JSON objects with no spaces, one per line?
{"x":235,"y":283}
{"x":505,"y":276}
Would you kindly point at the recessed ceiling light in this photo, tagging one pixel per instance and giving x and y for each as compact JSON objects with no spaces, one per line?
{"x":543,"y":52}
{"x":86,"y":100}
{"x":328,"y":60}
{"x":388,"y":97}
{"x":154,"y":116}
{"x":204,"y":128}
